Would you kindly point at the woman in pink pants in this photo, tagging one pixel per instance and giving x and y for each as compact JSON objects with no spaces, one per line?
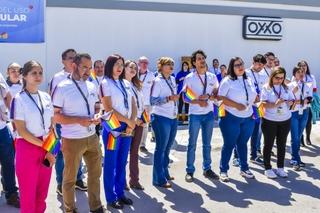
{"x":32,"y":112}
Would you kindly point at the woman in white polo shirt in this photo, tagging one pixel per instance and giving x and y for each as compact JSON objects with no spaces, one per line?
{"x":302,"y":92}
{"x":32,"y":112}
{"x":164,"y":120}
{"x":238,"y":95}
{"x":13,"y":78}
{"x":131,"y":75}
{"x":116,"y":96}
{"x":276,"y":99}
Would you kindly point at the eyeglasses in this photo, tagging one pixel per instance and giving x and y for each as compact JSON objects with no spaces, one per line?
{"x":238,"y":65}
{"x":70,"y":58}
{"x":279,"y":78}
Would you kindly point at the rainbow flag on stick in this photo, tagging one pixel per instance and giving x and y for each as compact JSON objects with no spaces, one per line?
{"x":189,"y":95}
{"x":258,"y":112}
{"x":93,"y":75}
{"x":112,"y":142}
{"x":219,"y":111}
{"x":52,"y":143}
{"x":110,"y":121}
{"x":145,"y":117}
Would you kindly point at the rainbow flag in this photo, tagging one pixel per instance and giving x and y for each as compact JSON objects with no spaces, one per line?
{"x":111,"y":123}
{"x":112,"y":142}
{"x":258,"y":112}
{"x":93,"y":75}
{"x":52,"y":143}
{"x":145,"y":117}
{"x":189,"y":95}
{"x":221,"y":111}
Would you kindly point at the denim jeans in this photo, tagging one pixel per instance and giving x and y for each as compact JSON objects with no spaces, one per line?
{"x":255,"y":141}
{"x":59,"y":165}
{"x":298,"y":123}
{"x":235,"y":131}
{"x":205,"y":122}
{"x":165,"y":130}
{"x":8,"y":178}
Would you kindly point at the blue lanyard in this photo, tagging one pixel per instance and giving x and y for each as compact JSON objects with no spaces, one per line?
{"x":256,"y":83}
{"x":124,"y":93}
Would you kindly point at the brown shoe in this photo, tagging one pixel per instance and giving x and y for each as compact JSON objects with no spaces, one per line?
{"x":14,"y":200}
{"x":166,"y":185}
{"x":137,"y":186}
{"x":170,"y":178}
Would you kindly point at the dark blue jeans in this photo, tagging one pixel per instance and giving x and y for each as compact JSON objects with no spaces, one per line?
{"x":165,"y":130}
{"x":255,"y":141}
{"x":298,"y":123}
{"x":235,"y":131}
{"x":8,"y":178}
{"x":59,"y":165}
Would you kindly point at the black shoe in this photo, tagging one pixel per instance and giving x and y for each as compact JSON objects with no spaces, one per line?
{"x":14,"y":200}
{"x":301,"y":164}
{"x":126,"y":201}
{"x":116,"y":205}
{"x":143,"y":149}
{"x":81,"y":185}
{"x":99,"y":210}
{"x":137,"y":186}
{"x":189,"y":177}
{"x":308,"y":141}
{"x":59,"y":189}
{"x":126,"y":187}
{"x":302,"y":142}
{"x":211,"y":175}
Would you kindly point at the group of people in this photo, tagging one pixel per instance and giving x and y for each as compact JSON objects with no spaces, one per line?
{"x":249,"y":102}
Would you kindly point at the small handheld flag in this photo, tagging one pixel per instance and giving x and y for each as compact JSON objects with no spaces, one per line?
{"x":93,"y":75}
{"x":189,"y":95}
{"x":112,"y":142}
{"x":110,"y":121}
{"x":258,"y":112}
{"x":145,"y":117}
{"x":221,"y":111}
{"x":52,"y":143}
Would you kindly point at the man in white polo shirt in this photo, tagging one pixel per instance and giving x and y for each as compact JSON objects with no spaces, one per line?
{"x":270,"y":57}
{"x":147,"y":78}
{"x":75,"y":106}
{"x":97,"y":73}
{"x":67,"y":60}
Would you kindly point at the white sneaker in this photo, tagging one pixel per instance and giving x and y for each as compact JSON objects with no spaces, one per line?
{"x":270,"y":174}
{"x":247,"y":174}
{"x":224,"y":177}
{"x":280,"y":172}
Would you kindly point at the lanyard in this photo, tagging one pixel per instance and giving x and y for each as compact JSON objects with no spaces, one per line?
{"x":278,"y":94}
{"x":170,"y":86}
{"x":204,"y":84}
{"x":256,"y":84}
{"x":266,"y":71}
{"x":245,"y":87}
{"x":83,"y":96}
{"x":301,"y":94}
{"x":124,"y":93}
{"x":41,"y":110}
{"x":136,"y":95}
{"x":145,"y":75}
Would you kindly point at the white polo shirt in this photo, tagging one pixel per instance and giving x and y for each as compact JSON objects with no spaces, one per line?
{"x":257,"y":78}
{"x":193,"y":82}
{"x":267,"y":71}
{"x":112,"y":88}
{"x":271,"y":95}
{"x":147,"y":79}
{"x":235,"y":91}
{"x":307,"y":92}
{"x":309,"y":79}
{"x":24,"y":109}
{"x":138,"y":97}
{"x":161,"y":89}
{"x":15,"y":89}
{"x":96,"y":82}
{"x":67,"y":97}
{"x":4,"y":90}
{"x":57,"y":78}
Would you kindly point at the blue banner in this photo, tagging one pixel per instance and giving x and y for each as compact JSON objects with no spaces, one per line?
{"x":22,"y":21}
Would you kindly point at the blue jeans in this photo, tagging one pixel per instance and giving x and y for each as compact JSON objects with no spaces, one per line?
{"x":165,"y":130}
{"x":256,"y":138}
{"x":59,"y":165}
{"x":235,"y":131}
{"x":8,"y":178}
{"x":115,"y":161}
{"x":205,"y":122}
{"x":298,"y":123}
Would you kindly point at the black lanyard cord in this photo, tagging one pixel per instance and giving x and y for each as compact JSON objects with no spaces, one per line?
{"x":41,"y":110}
{"x":83,"y":96}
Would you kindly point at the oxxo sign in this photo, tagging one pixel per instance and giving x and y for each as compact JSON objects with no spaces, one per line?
{"x":264,"y":28}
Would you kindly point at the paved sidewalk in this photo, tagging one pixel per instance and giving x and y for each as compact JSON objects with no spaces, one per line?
{"x":299,"y":193}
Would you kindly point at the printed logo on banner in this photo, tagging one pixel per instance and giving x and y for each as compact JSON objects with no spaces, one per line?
{"x":265,"y":28}
{"x":22,"y":21}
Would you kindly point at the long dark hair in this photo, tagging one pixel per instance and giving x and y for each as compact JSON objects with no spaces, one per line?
{"x":231,"y":72}
{"x":27,"y":67}
{"x":304,"y":62}
{"x":111,"y":61}
{"x":135,"y":80}
{"x":276,"y":71}
{"x":183,"y":63}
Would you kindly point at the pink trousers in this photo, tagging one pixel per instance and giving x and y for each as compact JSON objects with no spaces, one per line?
{"x":33,"y":177}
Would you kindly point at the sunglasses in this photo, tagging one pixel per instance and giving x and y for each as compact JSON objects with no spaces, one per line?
{"x":238,"y":65}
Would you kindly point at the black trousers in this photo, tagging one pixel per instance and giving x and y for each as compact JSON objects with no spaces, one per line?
{"x":309,"y":125}
{"x":272,"y":130}
{"x":181,"y":104}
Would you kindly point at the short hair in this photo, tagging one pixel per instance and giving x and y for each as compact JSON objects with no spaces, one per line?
{"x":111,"y":61}
{"x":215,"y":59}
{"x":79,"y":56}
{"x":64,"y":54}
{"x":223,"y":65}
{"x":97,"y":61}
{"x":143,"y":58}
{"x":231,"y":72}
{"x":164,"y":61}
{"x":295,"y":70}
{"x":194,"y":56}
{"x":259,"y":59}
{"x":269,"y":54}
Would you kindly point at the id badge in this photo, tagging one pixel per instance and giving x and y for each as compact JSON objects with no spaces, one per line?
{"x":279,"y":110}
{"x":300,"y":111}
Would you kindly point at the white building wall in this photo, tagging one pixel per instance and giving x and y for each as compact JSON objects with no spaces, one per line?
{"x":155,"y":34}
